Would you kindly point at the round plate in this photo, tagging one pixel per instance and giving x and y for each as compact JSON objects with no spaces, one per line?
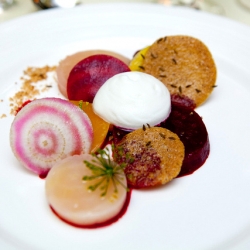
{"x":206,"y":210}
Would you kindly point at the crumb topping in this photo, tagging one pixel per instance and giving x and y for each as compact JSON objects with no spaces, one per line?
{"x":29,"y":87}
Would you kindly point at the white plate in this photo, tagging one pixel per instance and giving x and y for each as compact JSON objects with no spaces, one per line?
{"x":206,"y":210}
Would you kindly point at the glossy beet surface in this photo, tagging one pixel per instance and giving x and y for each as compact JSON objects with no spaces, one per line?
{"x":182,"y":100}
{"x":188,"y":125}
{"x":90,"y":74}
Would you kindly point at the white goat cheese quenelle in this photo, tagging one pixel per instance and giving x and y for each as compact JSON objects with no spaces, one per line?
{"x":132,"y":99}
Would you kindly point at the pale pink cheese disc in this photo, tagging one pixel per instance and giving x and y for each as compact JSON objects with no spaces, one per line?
{"x":71,"y":199}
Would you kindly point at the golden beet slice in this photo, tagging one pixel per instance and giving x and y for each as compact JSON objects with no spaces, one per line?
{"x":184,"y":64}
{"x":136,"y":62}
{"x":153,"y":155}
{"x":100,"y":127}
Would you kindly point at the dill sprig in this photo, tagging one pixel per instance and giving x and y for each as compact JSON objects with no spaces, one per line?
{"x":105,"y":171}
{"x":80,"y":104}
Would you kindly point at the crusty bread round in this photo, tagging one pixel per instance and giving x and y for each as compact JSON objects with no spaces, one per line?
{"x":184,"y":64}
{"x":154,"y":156}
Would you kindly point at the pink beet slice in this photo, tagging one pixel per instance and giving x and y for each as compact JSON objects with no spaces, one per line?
{"x":188,"y":125}
{"x":47,"y":130}
{"x":90,"y":74}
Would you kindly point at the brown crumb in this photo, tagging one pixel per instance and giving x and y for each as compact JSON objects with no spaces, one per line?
{"x":190,"y":70}
{"x":3,"y":116}
{"x":29,"y":89}
{"x":155,"y":156}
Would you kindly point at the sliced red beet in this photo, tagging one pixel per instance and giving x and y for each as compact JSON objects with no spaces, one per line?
{"x":90,"y":74}
{"x":188,"y":125}
{"x":181,"y":100}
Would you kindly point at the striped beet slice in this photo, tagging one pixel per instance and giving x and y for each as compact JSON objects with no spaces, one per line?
{"x":48,"y":130}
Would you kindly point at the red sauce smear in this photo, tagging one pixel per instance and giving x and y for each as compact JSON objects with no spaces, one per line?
{"x":43,"y":175}
{"x":102,"y":224}
{"x":24,"y":104}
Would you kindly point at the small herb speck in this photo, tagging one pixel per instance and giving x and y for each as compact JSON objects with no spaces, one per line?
{"x":159,"y":40}
{"x":162,"y":135}
{"x":180,"y":89}
{"x":173,"y":86}
{"x":171,"y":138}
{"x":153,"y":56}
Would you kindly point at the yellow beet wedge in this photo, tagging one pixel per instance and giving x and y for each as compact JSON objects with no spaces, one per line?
{"x":100,"y":127}
{"x":137,"y":61}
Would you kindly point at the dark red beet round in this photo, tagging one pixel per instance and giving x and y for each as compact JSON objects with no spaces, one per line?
{"x":90,"y":74}
{"x":188,"y":125}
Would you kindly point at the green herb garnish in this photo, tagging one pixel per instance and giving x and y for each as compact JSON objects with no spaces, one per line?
{"x":105,"y":171}
{"x":80,"y":104}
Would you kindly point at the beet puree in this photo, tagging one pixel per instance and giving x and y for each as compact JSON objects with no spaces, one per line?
{"x":102,"y":224}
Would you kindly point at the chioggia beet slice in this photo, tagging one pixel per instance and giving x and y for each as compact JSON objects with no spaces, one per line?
{"x":89,"y":75}
{"x":47,"y":130}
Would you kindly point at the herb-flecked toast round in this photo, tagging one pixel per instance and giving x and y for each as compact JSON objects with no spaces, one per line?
{"x":184,"y":64}
{"x":154,"y":156}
